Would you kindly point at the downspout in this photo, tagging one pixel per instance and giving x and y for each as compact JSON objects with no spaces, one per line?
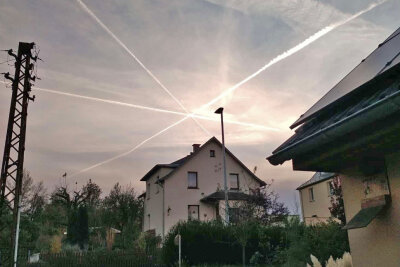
{"x":301,"y":204}
{"x":163,"y":212}
{"x":160,"y":183}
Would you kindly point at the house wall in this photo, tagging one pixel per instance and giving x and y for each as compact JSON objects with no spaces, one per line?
{"x":378,"y":244}
{"x":152,"y":217}
{"x":319,"y":207}
{"x":210,"y":179}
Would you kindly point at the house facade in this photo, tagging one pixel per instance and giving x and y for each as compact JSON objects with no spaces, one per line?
{"x":192,"y":187}
{"x":354,"y":131}
{"x":315,"y":198}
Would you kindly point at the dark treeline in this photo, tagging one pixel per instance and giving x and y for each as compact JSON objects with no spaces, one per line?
{"x":79,"y":219}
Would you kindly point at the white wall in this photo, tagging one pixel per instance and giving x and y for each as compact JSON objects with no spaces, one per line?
{"x":210,"y":177}
{"x":153,"y":202}
{"x":320,"y":205}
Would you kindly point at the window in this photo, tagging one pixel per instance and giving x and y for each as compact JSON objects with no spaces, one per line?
{"x":192,"y":180}
{"x":311,"y":194}
{"x":234,"y":215}
{"x":148,"y":191}
{"x":193,"y":212}
{"x":212,"y":153}
{"x":330,"y":188}
{"x":157,"y":185}
{"x":234,"y":181}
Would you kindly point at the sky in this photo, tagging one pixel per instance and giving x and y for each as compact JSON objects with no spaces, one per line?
{"x":194,"y":50}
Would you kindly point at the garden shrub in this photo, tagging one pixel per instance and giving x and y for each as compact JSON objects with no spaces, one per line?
{"x":280,"y":245}
{"x":322,"y":240}
{"x":214,"y":243}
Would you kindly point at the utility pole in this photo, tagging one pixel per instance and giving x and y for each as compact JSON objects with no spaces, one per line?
{"x":13,"y":159}
{"x":221,"y":111}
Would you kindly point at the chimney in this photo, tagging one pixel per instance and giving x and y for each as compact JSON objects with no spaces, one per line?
{"x":195,"y":147}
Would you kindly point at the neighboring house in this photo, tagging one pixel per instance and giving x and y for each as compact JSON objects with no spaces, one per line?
{"x":354,"y":131}
{"x":315,"y":198}
{"x":192,"y":187}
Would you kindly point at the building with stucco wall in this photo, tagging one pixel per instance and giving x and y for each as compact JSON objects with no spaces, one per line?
{"x":315,"y":198}
{"x":192,"y":187}
{"x":353,"y":131}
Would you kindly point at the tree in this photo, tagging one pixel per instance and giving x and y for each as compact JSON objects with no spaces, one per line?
{"x":263,"y":206}
{"x":337,"y":208}
{"x":123,"y":210}
{"x":76,"y":205}
{"x":92,"y":193}
{"x":242,"y":232}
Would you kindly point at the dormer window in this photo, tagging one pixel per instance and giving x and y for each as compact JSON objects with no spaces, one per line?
{"x":212,"y":153}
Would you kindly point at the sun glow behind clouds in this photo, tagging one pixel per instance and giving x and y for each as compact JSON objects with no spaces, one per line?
{"x":230,"y":90}
{"x":293,"y":50}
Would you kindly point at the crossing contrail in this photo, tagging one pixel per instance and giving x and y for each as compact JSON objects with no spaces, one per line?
{"x":198,"y":116}
{"x":280,"y":57}
{"x":119,"y":103}
{"x":90,"y":12}
{"x":292,"y":51}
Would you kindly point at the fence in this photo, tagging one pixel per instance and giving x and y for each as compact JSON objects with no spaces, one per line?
{"x":91,"y":258}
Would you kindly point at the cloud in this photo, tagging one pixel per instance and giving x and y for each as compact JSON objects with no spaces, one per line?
{"x":197,"y":49}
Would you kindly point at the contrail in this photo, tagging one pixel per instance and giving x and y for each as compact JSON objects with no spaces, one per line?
{"x":282,"y":56}
{"x":109,"y":101}
{"x":90,"y":12}
{"x":291,"y":51}
{"x":193,"y":115}
{"x":131,"y":150}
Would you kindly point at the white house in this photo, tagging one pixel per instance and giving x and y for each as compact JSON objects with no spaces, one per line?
{"x":192,"y":187}
{"x":315,"y":198}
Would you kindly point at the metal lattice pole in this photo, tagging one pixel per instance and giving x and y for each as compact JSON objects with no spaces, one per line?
{"x":13,"y":158}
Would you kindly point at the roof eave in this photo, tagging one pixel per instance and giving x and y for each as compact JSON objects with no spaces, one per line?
{"x":385,"y":74}
{"x":351,"y":123}
{"x":316,"y":182}
{"x":154,"y":169}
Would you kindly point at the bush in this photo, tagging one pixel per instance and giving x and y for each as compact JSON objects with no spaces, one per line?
{"x":202,"y":242}
{"x":214,"y":243}
{"x":287,"y":245}
{"x":322,"y":240}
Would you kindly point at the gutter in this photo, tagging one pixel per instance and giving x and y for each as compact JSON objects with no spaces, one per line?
{"x":338,"y":129}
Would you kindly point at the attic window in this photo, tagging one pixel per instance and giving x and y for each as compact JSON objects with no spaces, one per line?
{"x":212,"y":153}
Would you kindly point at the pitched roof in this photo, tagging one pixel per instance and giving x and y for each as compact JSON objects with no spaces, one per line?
{"x":358,"y":106}
{"x":382,"y":59}
{"x":220,"y":195}
{"x":383,"y":87}
{"x":317,"y":178}
{"x":212,"y":139}
{"x":159,"y":166}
